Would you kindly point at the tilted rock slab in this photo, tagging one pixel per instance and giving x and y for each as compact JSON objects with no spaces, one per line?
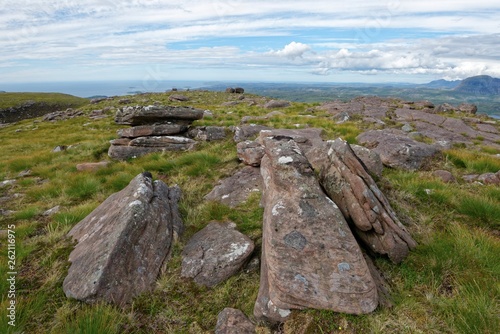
{"x":312,"y":258}
{"x":157,"y":114}
{"x":215,"y":253}
{"x":348,"y":184}
{"x":124,"y":242}
{"x":236,"y":189}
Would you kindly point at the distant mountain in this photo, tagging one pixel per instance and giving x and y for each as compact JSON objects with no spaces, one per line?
{"x":443,"y":84}
{"x":480,"y":85}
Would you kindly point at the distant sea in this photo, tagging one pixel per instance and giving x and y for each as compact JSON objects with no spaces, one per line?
{"x":102,"y":88}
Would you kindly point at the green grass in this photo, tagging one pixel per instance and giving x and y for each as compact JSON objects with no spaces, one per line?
{"x":473,"y":162}
{"x":15,"y":99}
{"x":449,"y":284}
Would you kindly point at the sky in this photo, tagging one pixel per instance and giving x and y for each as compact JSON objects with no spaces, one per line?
{"x":237,"y":40}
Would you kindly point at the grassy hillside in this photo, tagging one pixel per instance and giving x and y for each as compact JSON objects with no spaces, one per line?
{"x":449,"y":284}
{"x":17,"y":106}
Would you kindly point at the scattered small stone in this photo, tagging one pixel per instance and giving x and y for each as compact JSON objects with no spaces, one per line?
{"x":341,"y":117}
{"x":178,"y":98}
{"x":233,"y":321}
{"x":7,"y":183}
{"x":60,"y":148}
{"x":470,"y":178}
{"x":444,"y":175}
{"x":52,"y":211}
{"x":488,"y":178}
{"x":24,"y":173}
{"x":407,"y":128}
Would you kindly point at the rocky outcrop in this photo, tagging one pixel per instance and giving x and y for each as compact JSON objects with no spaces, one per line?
{"x":396,"y":150}
{"x":236,"y":189}
{"x":347,"y":183}
{"x":124,"y":242}
{"x":155,"y":129}
{"x":233,"y":321}
{"x":310,"y":255}
{"x":215,"y":253}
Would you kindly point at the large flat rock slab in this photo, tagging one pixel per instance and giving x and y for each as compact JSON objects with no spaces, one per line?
{"x":215,"y":253}
{"x":140,"y":115}
{"x":152,"y":130}
{"x":312,"y":258}
{"x":124,"y":242}
{"x":396,"y":150}
{"x":124,"y":148}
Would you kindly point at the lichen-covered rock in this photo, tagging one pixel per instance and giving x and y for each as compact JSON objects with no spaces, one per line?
{"x":215,"y":253}
{"x":124,"y":242}
{"x":311,"y":256}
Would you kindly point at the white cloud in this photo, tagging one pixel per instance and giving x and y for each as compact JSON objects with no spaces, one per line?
{"x":336,"y":36}
{"x":292,"y":50}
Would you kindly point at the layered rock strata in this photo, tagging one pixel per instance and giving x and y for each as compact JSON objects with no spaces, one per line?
{"x":154,"y":129}
{"x":310,"y":257}
{"x":347,"y":183}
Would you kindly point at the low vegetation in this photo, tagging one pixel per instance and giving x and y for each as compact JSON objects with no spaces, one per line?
{"x":449,"y":284}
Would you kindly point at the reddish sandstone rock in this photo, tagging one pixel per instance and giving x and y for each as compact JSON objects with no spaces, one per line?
{"x":311,"y":256}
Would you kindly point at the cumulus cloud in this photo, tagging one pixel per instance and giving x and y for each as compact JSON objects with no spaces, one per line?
{"x":292,"y":50}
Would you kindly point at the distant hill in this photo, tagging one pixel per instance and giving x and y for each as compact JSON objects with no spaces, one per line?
{"x":18,"y":106}
{"x":443,"y":84}
{"x":480,"y":85}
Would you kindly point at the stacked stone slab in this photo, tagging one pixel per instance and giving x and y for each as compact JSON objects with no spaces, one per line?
{"x":154,"y":129}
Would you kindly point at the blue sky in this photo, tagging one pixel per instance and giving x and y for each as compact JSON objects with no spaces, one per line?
{"x":237,"y":40}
